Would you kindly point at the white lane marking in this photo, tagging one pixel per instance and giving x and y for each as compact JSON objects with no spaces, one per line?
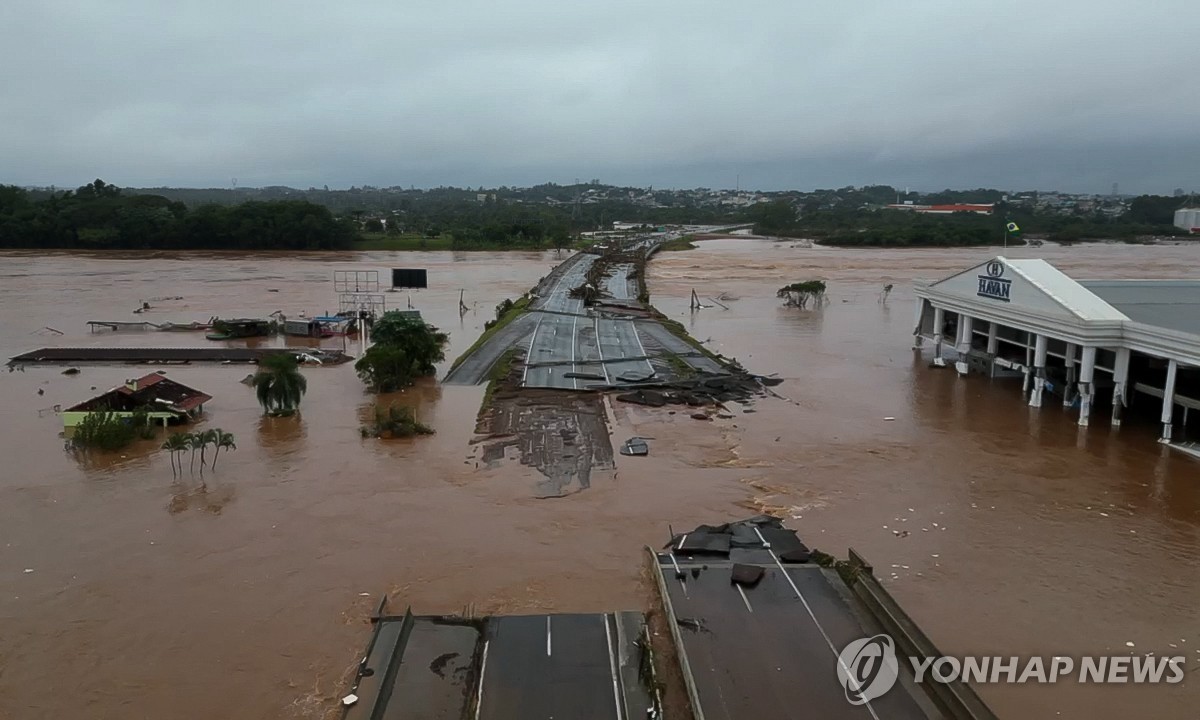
{"x":574,"y":381}
{"x":600,"y":349}
{"x":639,"y":342}
{"x":547,"y":636}
{"x":482,"y":670}
{"x":529,"y":352}
{"x":812,"y":615}
{"x":612,"y":666}
{"x":744,"y":598}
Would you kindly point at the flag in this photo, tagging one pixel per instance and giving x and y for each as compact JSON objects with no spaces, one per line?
{"x":1012,"y":228}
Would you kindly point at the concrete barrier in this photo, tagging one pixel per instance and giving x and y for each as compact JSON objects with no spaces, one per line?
{"x":956,"y":699}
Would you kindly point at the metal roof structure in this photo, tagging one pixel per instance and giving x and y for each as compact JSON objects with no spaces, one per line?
{"x":1171,"y":304}
{"x":1069,"y":293}
{"x":1155,"y":317}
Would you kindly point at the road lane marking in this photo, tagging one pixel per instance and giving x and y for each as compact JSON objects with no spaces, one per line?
{"x":574,"y":381}
{"x":529,"y":352}
{"x":612,"y":667}
{"x":600,"y":349}
{"x":547,"y":636}
{"x":812,"y":615}
{"x":744,"y":598}
{"x":640,"y":347}
{"x":482,"y":669}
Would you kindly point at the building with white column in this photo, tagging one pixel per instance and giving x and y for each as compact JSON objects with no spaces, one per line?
{"x":1116,"y":344}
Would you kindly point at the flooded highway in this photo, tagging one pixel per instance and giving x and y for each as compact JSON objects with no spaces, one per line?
{"x":127,"y":592}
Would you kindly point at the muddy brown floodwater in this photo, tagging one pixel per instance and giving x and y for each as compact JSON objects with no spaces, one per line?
{"x":247,"y":597}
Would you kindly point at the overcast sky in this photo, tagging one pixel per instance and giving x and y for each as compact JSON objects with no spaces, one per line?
{"x":1046,"y":94}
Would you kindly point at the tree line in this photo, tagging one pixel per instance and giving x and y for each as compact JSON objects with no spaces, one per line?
{"x":99,"y":216}
{"x":874,"y":226}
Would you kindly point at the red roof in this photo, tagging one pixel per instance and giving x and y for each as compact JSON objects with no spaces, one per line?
{"x":963,"y":207}
{"x":180,"y":396}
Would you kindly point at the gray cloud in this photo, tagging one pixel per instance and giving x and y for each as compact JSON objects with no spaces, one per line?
{"x":1065,"y":94}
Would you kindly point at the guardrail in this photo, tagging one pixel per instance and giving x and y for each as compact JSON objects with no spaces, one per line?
{"x":956,"y":699}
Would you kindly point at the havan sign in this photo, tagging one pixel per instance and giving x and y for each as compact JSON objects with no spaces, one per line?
{"x":994,"y":285}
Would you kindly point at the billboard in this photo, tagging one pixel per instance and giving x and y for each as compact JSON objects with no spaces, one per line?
{"x":409,"y":278}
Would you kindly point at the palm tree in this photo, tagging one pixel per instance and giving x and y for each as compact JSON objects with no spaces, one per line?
{"x":175,"y":444}
{"x":195,"y":442}
{"x":224,"y":440}
{"x":279,"y":384}
{"x":206,"y":437}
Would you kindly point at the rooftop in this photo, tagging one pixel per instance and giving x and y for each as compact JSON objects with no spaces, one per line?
{"x":154,"y":390}
{"x":1170,"y":304}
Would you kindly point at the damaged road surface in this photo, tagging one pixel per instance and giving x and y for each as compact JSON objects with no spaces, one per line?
{"x":588,"y":331}
{"x":758,"y":628}
{"x":563,"y":435}
{"x":505,"y":668}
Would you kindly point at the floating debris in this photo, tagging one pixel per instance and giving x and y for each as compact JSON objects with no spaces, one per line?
{"x":635,"y":446}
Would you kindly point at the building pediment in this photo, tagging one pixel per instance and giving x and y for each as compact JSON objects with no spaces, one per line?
{"x":1032,"y":287}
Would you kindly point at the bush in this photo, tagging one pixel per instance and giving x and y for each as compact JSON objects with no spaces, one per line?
{"x":104,"y":430}
{"x":395,"y":421}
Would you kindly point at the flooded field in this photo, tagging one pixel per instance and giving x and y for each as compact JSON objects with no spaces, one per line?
{"x":127,"y":592}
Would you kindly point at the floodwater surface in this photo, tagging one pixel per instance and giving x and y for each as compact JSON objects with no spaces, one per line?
{"x":128,"y":592}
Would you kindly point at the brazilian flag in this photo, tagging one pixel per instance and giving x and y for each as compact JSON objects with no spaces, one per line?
{"x":1013,"y":228}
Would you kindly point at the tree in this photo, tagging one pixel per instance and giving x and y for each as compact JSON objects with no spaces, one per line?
{"x":404,"y":350}
{"x":175,"y":444}
{"x":196,"y":442}
{"x":224,"y":441}
{"x":1153,"y":209}
{"x":206,"y":437}
{"x":799,"y":293}
{"x":279,"y":385}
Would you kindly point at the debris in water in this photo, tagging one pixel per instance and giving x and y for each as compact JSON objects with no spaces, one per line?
{"x":635,"y":446}
{"x":1129,"y":644}
{"x":28,"y":570}
{"x":889,"y":418}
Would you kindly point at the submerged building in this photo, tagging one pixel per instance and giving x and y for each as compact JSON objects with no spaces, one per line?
{"x":164,"y":401}
{"x":1098,"y":345}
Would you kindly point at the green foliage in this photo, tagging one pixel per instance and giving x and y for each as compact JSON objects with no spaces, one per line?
{"x":405,"y":349}
{"x":799,"y":294}
{"x":143,"y":424}
{"x":491,"y":327}
{"x":279,"y":385}
{"x":99,"y":216}
{"x":1154,"y":209}
{"x":680,"y":243}
{"x":104,"y":430}
{"x":395,"y":421}
{"x":812,"y":287}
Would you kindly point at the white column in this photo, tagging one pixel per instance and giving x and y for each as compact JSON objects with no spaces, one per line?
{"x":1028,"y":364}
{"x":939,"y":320}
{"x":993,"y":346}
{"x":1120,"y":377}
{"x":1168,"y":410}
{"x":917,"y":339}
{"x":1039,"y":370}
{"x":965,"y":331}
{"x":1069,"y":358}
{"x":1087,"y":372}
